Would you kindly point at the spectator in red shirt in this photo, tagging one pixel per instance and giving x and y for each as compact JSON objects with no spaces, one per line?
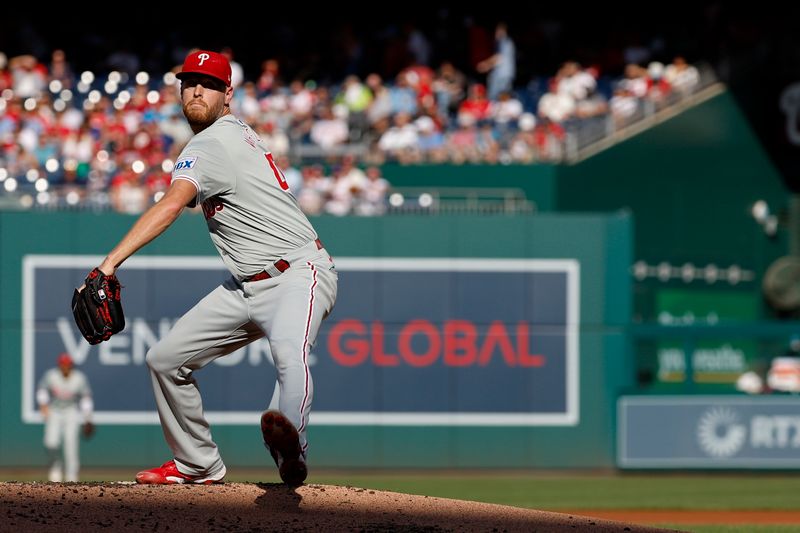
{"x":476,"y":105}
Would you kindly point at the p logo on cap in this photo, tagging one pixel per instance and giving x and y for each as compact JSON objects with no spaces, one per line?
{"x":209,"y":63}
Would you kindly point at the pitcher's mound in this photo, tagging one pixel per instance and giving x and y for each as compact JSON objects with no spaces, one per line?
{"x":90,"y":507}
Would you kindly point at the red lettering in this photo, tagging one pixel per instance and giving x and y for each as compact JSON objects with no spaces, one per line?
{"x":524,"y":356}
{"x":278,"y":173}
{"x":497,"y":336}
{"x":459,"y":343}
{"x":423,"y":327}
{"x":356,"y":349}
{"x":378,"y":356}
{"x":351,"y":343}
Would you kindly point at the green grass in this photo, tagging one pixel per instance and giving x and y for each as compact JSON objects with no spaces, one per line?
{"x":746,"y":528}
{"x":552,"y":491}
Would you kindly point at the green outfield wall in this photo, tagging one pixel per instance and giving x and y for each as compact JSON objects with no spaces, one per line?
{"x":599,"y":244}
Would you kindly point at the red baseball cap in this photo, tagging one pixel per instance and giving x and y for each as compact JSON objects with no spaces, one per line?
{"x":64,"y":359}
{"x":209,"y":63}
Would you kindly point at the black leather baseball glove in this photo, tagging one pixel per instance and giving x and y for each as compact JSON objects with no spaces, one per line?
{"x":98,"y":308}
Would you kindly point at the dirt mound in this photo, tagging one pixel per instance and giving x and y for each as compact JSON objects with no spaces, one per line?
{"x":89,"y":507}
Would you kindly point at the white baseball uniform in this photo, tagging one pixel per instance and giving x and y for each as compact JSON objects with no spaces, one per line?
{"x":69,"y":401}
{"x":258,"y":228}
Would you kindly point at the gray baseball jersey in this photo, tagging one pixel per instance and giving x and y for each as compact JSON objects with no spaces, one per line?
{"x":61,"y":392}
{"x":227,"y":161}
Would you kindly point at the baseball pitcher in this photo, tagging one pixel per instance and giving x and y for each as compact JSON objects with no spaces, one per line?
{"x":282,"y":285}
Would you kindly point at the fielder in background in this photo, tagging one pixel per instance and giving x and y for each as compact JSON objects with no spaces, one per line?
{"x":65,"y":401}
{"x":283,"y":283}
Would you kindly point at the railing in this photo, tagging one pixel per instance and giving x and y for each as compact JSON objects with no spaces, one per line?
{"x":310,"y":153}
{"x":459,"y":200}
{"x":586,"y":137}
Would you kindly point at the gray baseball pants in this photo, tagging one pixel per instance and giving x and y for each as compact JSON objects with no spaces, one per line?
{"x":288,"y":309}
{"x":62,"y":428}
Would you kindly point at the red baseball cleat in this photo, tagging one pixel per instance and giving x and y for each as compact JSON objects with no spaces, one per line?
{"x":168,"y":474}
{"x":283,"y":442}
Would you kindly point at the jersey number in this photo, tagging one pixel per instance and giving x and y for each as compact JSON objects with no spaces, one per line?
{"x":278,"y":174}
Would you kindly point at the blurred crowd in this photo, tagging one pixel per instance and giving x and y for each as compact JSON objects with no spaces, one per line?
{"x":110,"y":139}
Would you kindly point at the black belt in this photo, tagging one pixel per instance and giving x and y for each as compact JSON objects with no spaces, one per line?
{"x":281,"y":265}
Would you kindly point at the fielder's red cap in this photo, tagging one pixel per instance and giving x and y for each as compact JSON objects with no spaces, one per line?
{"x":64,"y":359}
{"x":209,"y":63}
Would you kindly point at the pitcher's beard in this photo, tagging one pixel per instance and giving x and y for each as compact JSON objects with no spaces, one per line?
{"x":199,"y":116}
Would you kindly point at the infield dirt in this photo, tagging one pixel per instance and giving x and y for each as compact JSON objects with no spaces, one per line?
{"x":91,"y":507}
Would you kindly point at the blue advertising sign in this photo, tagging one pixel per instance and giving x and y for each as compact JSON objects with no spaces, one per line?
{"x":411,"y":341}
{"x":708,"y":432}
